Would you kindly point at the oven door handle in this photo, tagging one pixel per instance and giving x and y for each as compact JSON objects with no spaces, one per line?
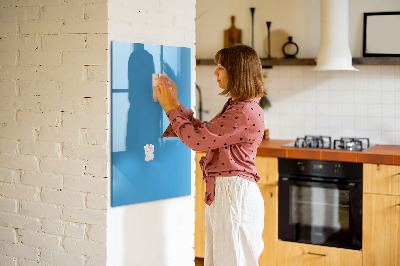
{"x":330,"y":184}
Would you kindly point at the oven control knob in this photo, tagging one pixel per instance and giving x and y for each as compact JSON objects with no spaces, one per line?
{"x":302,"y":167}
{"x":336,"y":169}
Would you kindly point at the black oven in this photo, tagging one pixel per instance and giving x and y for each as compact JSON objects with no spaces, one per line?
{"x":320,"y":202}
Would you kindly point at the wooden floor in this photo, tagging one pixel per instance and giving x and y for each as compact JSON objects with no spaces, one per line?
{"x":199,"y":262}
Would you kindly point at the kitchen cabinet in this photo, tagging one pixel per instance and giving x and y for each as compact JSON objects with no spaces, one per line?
{"x":298,"y":254}
{"x":381,"y":215}
{"x":200,"y":207}
{"x":381,"y":179}
{"x":270,"y":233}
{"x":381,"y":221}
{"x":267,"y":167}
{"x":381,"y":230}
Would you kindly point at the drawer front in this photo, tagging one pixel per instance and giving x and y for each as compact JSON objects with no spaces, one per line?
{"x":381,"y":179}
{"x":294,"y":254}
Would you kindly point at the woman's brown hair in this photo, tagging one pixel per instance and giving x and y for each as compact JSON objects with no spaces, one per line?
{"x":245,"y":78}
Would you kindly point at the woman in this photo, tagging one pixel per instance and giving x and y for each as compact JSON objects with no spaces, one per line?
{"x":235,"y":207}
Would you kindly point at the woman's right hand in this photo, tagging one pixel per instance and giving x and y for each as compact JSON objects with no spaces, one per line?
{"x":174,"y":91}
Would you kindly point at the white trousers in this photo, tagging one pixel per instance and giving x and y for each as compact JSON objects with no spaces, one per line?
{"x":234,"y":223}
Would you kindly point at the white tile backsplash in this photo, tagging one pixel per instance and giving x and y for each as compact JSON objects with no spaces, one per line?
{"x":388,"y":110}
{"x":388,"y":83}
{"x":361,"y":124}
{"x":374,"y":110}
{"x":397,"y":72}
{"x":389,"y":135}
{"x":322,"y":121}
{"x":310,"y":108}
{"x":361,"y":110}
{"x":348,"y":96}
{"x":374,"y":123}
{"x":364,"y":103}
{"x":387,"y":124}
{"x":388,"y":97}
{"x":387,"y":71}
{"x":347,"y":110}
{"x":374,"y":84}
{"x":322,"y":95}
{"x":322,"y":109}
{"x":374,"y":97}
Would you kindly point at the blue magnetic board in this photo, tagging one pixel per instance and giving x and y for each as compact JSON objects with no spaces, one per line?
{"x":136,"y":121}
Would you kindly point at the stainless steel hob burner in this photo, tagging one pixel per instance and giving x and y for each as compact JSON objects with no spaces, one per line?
{"x":351,"y":144}
{"x":321,"y":142}
{"x":325,"y":142}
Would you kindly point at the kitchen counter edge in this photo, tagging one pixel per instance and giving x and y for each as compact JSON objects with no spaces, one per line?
{"x":379,"y":154}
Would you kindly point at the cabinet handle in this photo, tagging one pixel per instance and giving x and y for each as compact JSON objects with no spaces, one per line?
{"x":318,"y":254}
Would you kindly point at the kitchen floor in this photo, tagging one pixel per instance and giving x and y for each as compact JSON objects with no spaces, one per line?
{"x":198,"y":262}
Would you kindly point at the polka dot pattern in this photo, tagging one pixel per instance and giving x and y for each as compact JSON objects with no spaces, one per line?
{"x":231,"y":139}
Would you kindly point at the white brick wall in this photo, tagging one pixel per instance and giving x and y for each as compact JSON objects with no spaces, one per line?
{"x":53,"y":121}
{"x":54,"y":80}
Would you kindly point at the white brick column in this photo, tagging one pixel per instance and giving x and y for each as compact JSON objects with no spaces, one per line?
{"x":53,"y":128}
{"x":54,"y":134}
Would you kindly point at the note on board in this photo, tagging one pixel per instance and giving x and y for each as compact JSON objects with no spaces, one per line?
{"x":146,"y":167}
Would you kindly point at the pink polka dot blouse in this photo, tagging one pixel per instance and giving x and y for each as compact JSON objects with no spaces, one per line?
{"x":231,"y":139}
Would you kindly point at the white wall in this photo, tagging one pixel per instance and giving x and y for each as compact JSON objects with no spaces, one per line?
{"x":338,"y":104}
{"x":159,"y":232}
{"x":298,"y":18}
{"x":53,"y":109}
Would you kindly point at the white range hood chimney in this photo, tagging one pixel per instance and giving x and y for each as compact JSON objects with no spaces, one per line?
{"x":334,"y":51}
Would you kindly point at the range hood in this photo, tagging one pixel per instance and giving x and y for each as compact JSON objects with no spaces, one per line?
{"x":334,"y":51}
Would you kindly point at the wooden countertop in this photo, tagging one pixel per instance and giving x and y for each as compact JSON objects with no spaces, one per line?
{"x":379,"y":154}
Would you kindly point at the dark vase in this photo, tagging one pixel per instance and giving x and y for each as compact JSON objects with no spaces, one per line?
{"x":290,"y":49}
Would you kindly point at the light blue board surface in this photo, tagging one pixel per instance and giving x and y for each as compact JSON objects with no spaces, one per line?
{"x":136,"y":120}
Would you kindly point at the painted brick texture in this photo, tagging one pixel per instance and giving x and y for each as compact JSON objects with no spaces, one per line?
{"x":53,"y":128}
{"x":172,"y":23}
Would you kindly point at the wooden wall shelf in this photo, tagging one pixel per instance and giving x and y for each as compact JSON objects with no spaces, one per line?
{"x":376,"y":61}
{"x":312,"y":61}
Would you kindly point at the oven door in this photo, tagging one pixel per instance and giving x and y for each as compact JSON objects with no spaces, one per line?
{"x":321,"y":212}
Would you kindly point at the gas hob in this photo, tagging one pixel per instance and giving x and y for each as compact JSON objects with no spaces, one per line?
{"x":325,"y":142}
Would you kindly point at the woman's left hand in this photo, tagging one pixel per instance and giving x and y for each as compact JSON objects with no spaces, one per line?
{"x":163,"y":92}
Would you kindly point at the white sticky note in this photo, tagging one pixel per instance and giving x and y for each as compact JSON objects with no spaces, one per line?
{"x":156,"y":79}
{"x":149,"y":152}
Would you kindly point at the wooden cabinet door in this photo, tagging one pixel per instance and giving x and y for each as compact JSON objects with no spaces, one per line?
{"x":267,"y":168}
{"x":297,"y":254}
{"x":270,"y":233}
{"x":200,"y":207}
{"x":381,"y":179}
{"x":381,"y":230}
